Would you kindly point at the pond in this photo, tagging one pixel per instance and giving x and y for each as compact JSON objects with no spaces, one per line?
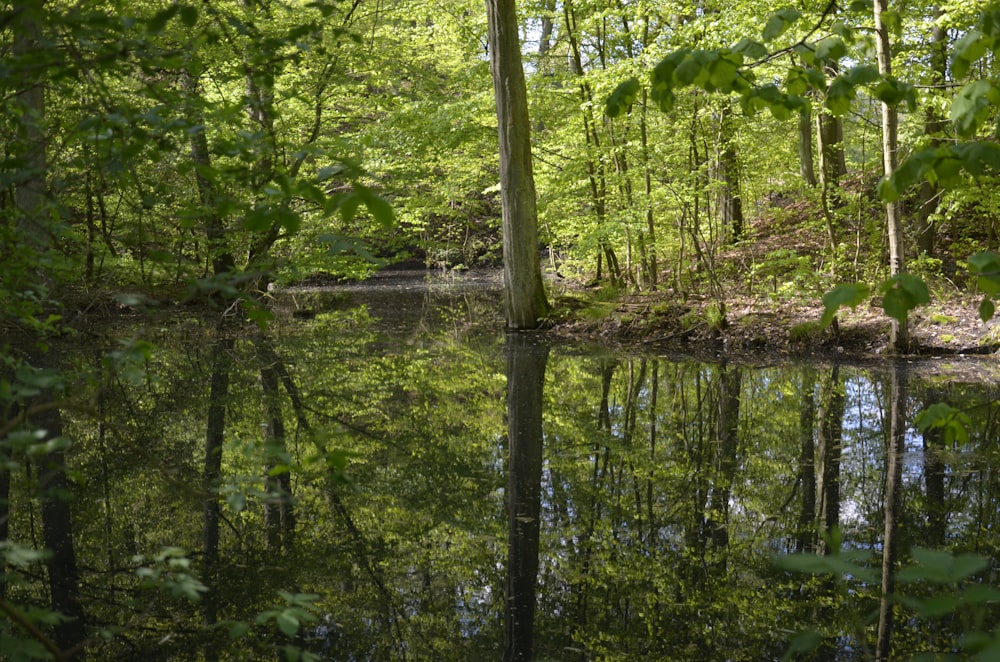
{"x":383,"y":474}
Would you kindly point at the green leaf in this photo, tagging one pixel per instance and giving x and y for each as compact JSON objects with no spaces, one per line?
{"x":911,"y":171}
{"x":968,"y":50}
{"x":941,"y":567}
{"x":779,"y":22}
{"x":239,"y":629}
{"x":831,"y":49}
{"x":986,"y":267}
{"x":901,"y":294}
{"x":934,"y":607}
{"x":620,"y":101}
{"x":287,"y":623}
{"x":802,"y":642}
{"x":753,"y":50}
{"x":845,"y":294}
{"x":796,"y":81}
{"x":894,"y":92}
{"x":724,"y":72}
{"x":864,"y":74}
{"x":840,"y":96}
{"x":159,"y":21}
{"x":977,"y":156}
{"x":953,"y":422}
{"x":189,"y":15}
{"x":377,"y":206}
{"x":892,"y":21}
{"x":986,"y":309}
{"x":663,"y":97}
{"x":688,"y":71}
{"x":971,"y":105}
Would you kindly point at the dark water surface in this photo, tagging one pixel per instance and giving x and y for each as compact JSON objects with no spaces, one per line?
{"x":432,"y":489}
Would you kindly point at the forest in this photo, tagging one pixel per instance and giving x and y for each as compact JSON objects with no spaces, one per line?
{"x":171,"y":172}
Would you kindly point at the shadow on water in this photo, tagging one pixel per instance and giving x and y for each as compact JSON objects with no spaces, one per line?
{"x":393,"y":478}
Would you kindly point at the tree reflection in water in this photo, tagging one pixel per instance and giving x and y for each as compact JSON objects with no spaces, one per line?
{"x":426,"y":526}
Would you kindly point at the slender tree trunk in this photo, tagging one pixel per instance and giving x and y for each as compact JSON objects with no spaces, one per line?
{"x":828,"y":452}
{"x":899,"y":337}
{"x":279,"y":511}
{"x":220,"y":255}
{"x":524,"y":293}
{"x":31,"y":146}
{"x":806,"y":534}
{"x":934,"y":474}
{"x":807,"y":161}
{"x":728,"y":174}
{"x":727,"y":444}
{"x":893,"y":503}
{"x":55,"y":492}
{"x":526,"y":361}
{"x":212,"y":473}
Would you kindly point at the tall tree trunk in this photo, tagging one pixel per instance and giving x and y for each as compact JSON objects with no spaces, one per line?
{"x":29,"y":102}
{"x":279,"y":512}
{"x":55,"y":492}
{"x":934,"y":474}
{"x":524,"y":293}
{"x":212,"y":473}
{"x":893,"y":503}
{"x":828,"y":451}
{"x":807,"y":161}
{"x":220,"y":255}
{"x":526,"y":361}
{"x":806,"y":533}
{"x":726,"y":447}
{"x":728,"y":175}
{"x":899,"y":337}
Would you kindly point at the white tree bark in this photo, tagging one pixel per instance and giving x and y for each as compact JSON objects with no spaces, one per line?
{"x":899,"y":338}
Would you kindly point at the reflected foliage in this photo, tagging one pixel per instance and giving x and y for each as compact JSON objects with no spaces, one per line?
{"x":666,"y":489}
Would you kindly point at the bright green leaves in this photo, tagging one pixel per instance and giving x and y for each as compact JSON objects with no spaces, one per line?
{"x":985,"y":267}
{"x":972,"y":105}
{"x":846,"y":294}
{"x":711,"y":70}
{"x":620,"y":101}
{"x":901,"y":294}
{"x":944,"y":166}
{"x":840,"y":96}
{"x":953,"y":423}
{"x":780,"y":22}
{"x":750,"y":49}
{"x":830,"y":49}
{"x":800,"y":80}
{"x":770,"y":97}
{"x":843,"y":89}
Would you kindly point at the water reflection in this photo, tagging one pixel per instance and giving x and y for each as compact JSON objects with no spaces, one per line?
{"x":441,"y":491}
{"x":526,"y":358}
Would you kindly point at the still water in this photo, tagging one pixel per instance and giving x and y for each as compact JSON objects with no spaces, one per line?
{"x":400,"y":480}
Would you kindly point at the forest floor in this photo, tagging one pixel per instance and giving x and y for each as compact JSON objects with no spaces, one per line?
{"x":777,"y":319}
